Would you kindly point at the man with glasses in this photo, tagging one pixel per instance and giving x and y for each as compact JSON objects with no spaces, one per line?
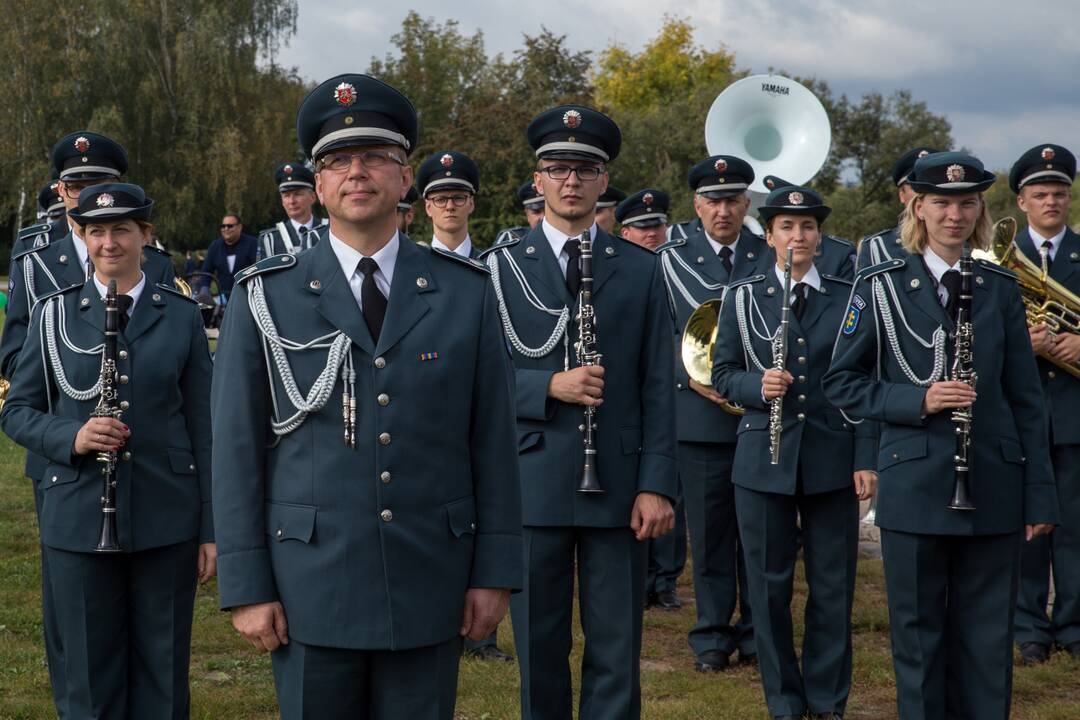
{"x":43,"y":266}
{"x":381,"y":521}
{"x":603,"y":534}
{"x":448,"y":181}
{"x":297,"y":232}
{"x":231,"y":252}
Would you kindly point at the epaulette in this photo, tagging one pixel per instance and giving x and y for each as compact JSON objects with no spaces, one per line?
{"x":840,"y":240}
{"x":881,"y":267}
{"x":267,"y":231}
{"x":504,"y":240}
{"x":510,"y":235}
{"x":35,"y":229}
{"x":474,"y":264}
{"x":878,"y":234}
{"x":26,"y":251}
{"x":672,"y":243}
{"x":834,"y":278}
{"x":270,"y":264}
{"x":746,"y":281}
{"x":994,"y":267}
{"x":59,"y":291}
{"x":172,"y":289}
{"x":158,"y":250}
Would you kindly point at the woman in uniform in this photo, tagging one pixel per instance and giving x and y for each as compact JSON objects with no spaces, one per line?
{"x":124,"y":617}
{"x":951,"y":571}
{"x":824,"y":465}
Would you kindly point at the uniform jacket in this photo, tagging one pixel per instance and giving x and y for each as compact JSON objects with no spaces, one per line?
{"x":1060,"y":389}
{"x":698,"y":419}
{"x":271,"y":241}
{"x":1012,"y":483}
{"x":635,"y":424}
{"x":880,"y":247}
{"x":816,"y":439}
{"x":163,"y":490}
{"x":55,"y":266}
{"x":373,"y":546}
{"x":40,"y":233}
{"x":217,"y":260}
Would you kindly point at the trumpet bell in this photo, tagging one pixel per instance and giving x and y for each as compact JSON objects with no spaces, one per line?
{"x":772,"y":122}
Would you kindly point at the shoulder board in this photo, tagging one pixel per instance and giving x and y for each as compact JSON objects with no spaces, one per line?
{"x":171,"y":289}
{"x":879,"y":233}
{"x":994,"y":267}
{"x":267,"y":231}
{"x":505,"y":240}
{"x":672,"y":243}
{"x":879,"y":268}
{"x":31,"y":230}
{"x":474,"y":264}
{"x":746,"y":281}
{"x":842,"y":241}
{"x":270,"y":264}
{"x":158,"y":250}
{"x":61,"y":291}
{"x":510,"y":235}
{"x":834,"y":278}
{"x":26,"y":251}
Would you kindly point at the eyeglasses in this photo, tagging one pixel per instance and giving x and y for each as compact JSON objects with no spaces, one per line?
{"x":585,"y":173}
{"x":440,"y":201}
{"x":340,"y":162}
{"x":228,"y":226}
{"x":72,"y":189}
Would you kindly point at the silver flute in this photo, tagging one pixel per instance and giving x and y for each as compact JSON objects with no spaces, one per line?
{"x":776,"y":407}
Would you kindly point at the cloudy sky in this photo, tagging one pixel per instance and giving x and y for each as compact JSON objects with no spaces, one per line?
{"x":1005,"y":73}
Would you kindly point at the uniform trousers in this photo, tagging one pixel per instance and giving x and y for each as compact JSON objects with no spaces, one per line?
{"x":830,"y":543}
{"x":667,"y":555}
{"x":951,"y":607}
{"x":611,"y":580}
{"x":1058,"y":552}
{"x":325,"y":683}
{"x":719,"y":568}
{"x":125,"y":624}
{"x":54,"y":649}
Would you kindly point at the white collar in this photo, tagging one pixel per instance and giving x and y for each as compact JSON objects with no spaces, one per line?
{"x":464,"y":249}
{"x":557,"y":238}
{"x":297,"y":226}
{"x":1038,"y":240}
{"x":349,"y":257}
{"x":936,"y":265}
{"x":80,"y":245}
{"x":811,"y":278}
{"x":134,"y":293}
{"x":717,"y":245}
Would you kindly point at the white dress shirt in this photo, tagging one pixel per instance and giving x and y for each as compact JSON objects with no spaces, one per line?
{"x":716,"y":246}
{"x":938,"y":268}
{"x":811,"y":278}
{"x":301,"y":227}
{"x":1038,"y":240}
{"x":557,"y":239}
{"x":464,"y":249}
{"x":350,"y":259}
{"x":134,"y":293}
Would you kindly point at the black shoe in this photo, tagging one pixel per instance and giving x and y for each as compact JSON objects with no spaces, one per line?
{"x":712,"y":661}
{"x":827,"y":716}
{"x":667,"y":600}
{"x":1074,"y":650}
{"x":789,"y":717}
{"x":1033,"y":653}
{"x":489,"y":652}
{"x":651,"y":599}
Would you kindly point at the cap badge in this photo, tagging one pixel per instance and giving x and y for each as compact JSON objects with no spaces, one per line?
{"x":954,"y":173}
{"x":288,"y":169}
{"x":447,"y":160}
{"x":82,"y":144}
{"x":52,"y":186}
{"x":795,"y":198}
{"x":345,"y":94}
{"x":923,"y":153}
{"x":647,"y":198}
{"x":105,"y":200}
{"x":771,"y":184}
{"x":1047,"y":154}
{"x":571,"y":119}
{"x":720,"y":165}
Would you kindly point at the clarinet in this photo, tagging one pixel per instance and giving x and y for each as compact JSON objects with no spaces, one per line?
{"x":776,"y":407}
{"x":585,"y":348}
{"x":963,"y":370}
{"x":108,"y":406}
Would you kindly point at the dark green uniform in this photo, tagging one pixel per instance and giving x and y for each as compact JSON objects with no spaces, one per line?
{"x":283,"y":238}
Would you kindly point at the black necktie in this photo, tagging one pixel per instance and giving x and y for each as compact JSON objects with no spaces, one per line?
{"x":123,"y":305}
{"x":1049,"y":248}
{"x":371,"y":297}
{"x":573,"y":267}
{"x":951,"y":281}
{"x":725,"y":258}
{"x":798,"y":306}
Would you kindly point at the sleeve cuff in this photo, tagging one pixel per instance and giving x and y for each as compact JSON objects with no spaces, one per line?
{"x":498,"y":562}
{"x":251,"y":581}
{"x":533,"y":402}
{"x":1041,"y":504}
{"x":903,"y":404}
{"x":58,"y":443}
{"x":657,"y":475}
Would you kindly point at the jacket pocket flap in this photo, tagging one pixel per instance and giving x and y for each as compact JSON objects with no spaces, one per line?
{"x":1012,"y":452}
{"x":462,"y":515}
{"x":529,"y":440}
{"x":182,"y":462}
{"x":290,"y":522}
{"x":756,"y":421}
{"x":902,"y":451}
{"x":631,"y":440}
{"x":57,"y":474}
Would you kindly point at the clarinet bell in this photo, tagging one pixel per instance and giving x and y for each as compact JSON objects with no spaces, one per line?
{"x":590,"y":481}
{"x":108,"y":542}
{"x":961,"y":497}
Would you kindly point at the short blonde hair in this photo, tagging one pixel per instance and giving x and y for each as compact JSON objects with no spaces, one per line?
{"x":914,"y":237}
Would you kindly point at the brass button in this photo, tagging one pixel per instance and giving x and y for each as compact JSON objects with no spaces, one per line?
{"x":123,"y":379}
{"x":383,"y":399}
{"x":384,"y":438}
{"x":124,"y":404}
{"x":801,"y":341}
{"x":386,"y":515}
{"x":385,"y":477}
{"x":1051,"y":374}
{"x":802,"y":359}
{"x":123,"y":354}
{"x":126,"y":455}
{"x":802,"y":398}
{"x":800,"y":417}
{"x":380,"y":362}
